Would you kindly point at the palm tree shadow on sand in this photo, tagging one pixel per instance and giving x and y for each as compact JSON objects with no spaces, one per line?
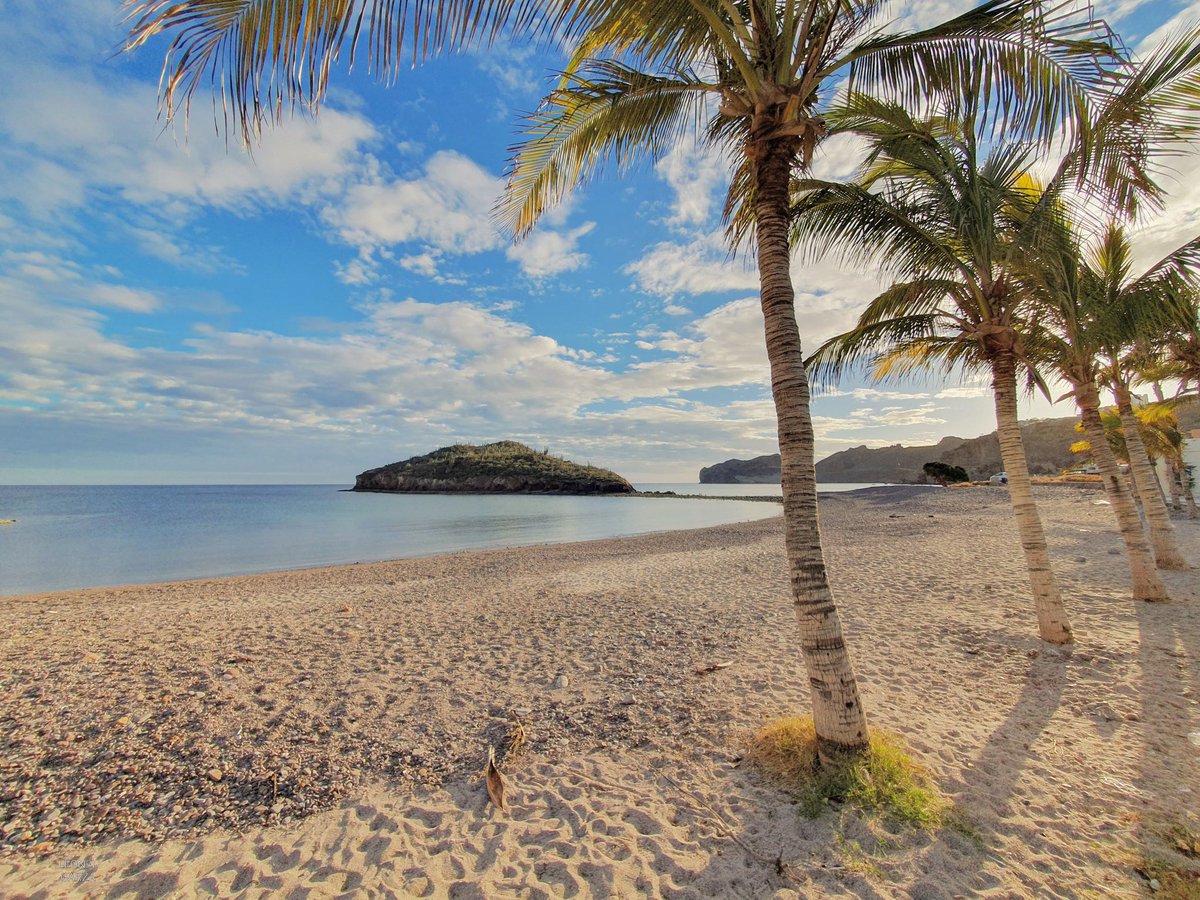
{"x":990,"y":793}
{"x":1168,"y":786}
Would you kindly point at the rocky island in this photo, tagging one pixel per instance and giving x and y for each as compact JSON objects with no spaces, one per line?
{"x":505,"y":467}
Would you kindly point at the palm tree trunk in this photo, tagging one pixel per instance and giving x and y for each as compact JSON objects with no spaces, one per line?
{"x":1052,"y":616}
{"x":1146,"y":583}
{"x":1185,"y":488}
{"x":841,"y":724}
{"x":1162,"y":532}
{"x":1173,"y":484}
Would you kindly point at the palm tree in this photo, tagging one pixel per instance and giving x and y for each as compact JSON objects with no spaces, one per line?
{"x":651,"y":71}
{"x":1073,"y":321}
{"x":1134,"y":306}
{"x":1181,"y":349}
{"x":1153,"y":372}
{"x":970,"y":234}
{"x":1101,"y":310}
{"x":643,"y":73}
{"x":950,"y":221}
{"x":1159,"y":429}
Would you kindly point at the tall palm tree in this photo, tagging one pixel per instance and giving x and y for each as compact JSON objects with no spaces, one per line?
{"x":754,"y":79}
{"x":1163,"y":366}
{"x":1159,"y":427}
{"x":1099,"y":309}
{"x":948,"y":218}
{"x":969,"y":232}
{"x":748,"y":75}
{"x":1074,"y":319}
{"x":1133,"y":305}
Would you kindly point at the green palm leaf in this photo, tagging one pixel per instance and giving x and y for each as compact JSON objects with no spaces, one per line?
{"x":606,"y":112}
{"x":264,"y":56}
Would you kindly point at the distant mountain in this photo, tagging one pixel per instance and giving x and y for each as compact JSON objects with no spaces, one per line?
{"x":505,"y":467}
{"x":760,"y":470}
{"x":896,"y":464}
{"x":1047,"y":447}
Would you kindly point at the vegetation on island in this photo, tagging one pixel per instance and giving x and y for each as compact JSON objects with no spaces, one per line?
{"x":501,"y":467}
{"x":996,"y":272}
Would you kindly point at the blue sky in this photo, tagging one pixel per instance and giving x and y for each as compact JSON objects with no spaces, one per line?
{"x":177,"y":312}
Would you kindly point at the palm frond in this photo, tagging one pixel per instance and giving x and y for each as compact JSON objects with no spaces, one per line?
{"x":869,"y":228}
{"x":945,"y":353}
{"x":668,"y":34}
{"x":265,"y":56}
{"x":1030,"y":68}
{"x":607,"y":111}
{"x":1148,"y":113}
{"x":901,"y":315}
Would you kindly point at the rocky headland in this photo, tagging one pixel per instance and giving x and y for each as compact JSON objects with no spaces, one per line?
{"x":760,"y":470}
{"x":505,"y":467}
{"x":1047,"y":446}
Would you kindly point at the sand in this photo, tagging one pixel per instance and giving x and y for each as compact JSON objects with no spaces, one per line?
{"x":322,"y":732}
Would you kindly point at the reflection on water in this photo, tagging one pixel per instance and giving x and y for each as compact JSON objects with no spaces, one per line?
{"x":70,"y":537}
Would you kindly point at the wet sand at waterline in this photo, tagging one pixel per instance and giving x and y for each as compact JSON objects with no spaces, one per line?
{"x":319,"y":732}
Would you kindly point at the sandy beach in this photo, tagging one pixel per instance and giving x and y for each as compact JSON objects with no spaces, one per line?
{"x":321,"y":732}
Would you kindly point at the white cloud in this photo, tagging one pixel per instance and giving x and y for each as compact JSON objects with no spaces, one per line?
{"x":90,"y":135}
{"x":421,"y":263}
{"x":697,"y":267}
{"x":695,"y":174}
{"x":863,"y":393}
{"x":57,"y":279}
{"x":119,"y":296}
{"x":1174,"y":27}
{"x":546,"y":253}
{"x":511,"y":67}
{"x":445,"y":208}
{"x":962,"y":391}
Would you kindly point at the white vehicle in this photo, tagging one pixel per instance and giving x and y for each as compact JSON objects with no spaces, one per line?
{"x":999,"y":478}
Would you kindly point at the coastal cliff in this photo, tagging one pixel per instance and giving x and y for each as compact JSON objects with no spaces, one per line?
{"x":760,"y":470}
{"x":1047,"y":446}
{"x":505,"y":467}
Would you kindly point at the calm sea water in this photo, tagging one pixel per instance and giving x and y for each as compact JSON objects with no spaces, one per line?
{"x":74,"y":537}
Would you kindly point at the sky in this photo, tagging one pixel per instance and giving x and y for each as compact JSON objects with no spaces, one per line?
{"x":176,"y":311}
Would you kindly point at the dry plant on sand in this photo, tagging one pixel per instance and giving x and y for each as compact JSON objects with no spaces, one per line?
{"x":886,"y":781}
{"x":1173,"y":871}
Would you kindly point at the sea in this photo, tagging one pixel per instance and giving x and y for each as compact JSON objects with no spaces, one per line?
{"x":70,"y":537}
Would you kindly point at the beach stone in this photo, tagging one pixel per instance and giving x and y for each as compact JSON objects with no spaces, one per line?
{"x":215,"y":774}
{"x":562,"y":681}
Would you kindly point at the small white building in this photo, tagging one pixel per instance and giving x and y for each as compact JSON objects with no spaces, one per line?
{"x":1191,"y":457}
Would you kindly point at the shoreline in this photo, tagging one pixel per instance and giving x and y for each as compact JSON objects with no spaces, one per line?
{"x":889,"y":491}
{"x":345,"y":712}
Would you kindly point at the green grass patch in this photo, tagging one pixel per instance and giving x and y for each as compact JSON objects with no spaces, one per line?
{"x":887,"y":782}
